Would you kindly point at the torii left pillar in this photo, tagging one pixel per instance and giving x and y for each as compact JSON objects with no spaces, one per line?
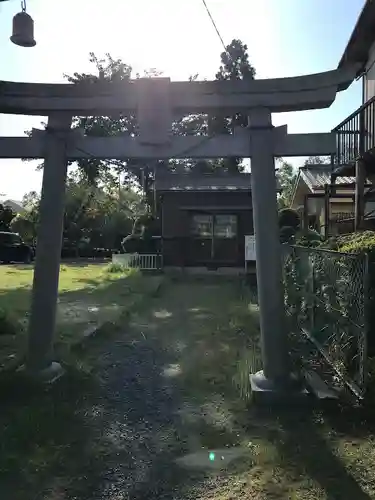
{"x":40,"y":363}
{"x":275,"y":379}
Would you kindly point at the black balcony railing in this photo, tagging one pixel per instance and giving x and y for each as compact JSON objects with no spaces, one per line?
{"x":355,"y":136}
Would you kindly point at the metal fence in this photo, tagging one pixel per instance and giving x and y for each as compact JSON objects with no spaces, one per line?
{"x":144,"y":262}
{"x":355,"y":136}
{"x":325,"y":299}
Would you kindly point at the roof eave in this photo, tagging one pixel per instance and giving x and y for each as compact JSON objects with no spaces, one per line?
{"x":361,"y":38}
{"x":203,"y":190}
{"x":296,"y":183}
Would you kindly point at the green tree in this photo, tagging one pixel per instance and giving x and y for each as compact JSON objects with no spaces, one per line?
{"x":96,"y":172}
{"x":30,"y":200}
{"x":317,"y":160}
{"x":114,"y":215}
{"x":6,"y":216}
{"x":235,"y":65}
{"x":286,"y":177}
{"x":26,"y":224}
{"x":110,"y":70}
{"x":138,"y":173}
{"x":98,"y":216}
{"x":95,"y":216}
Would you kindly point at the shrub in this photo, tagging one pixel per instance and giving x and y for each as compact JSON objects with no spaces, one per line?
{"x":289,"y":218}
{"x":287,"y":234}
{"x":362,"y":242}
{"x":311,"y":238}
{"x":329,"y":244}
{"x":114,"y":268}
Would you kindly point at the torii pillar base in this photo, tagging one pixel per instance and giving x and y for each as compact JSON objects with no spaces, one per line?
{"x":268,"y":391}
{"x":46,"y":376}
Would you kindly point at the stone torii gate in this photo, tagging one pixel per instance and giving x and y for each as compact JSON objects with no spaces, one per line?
{"x":156,"y":101}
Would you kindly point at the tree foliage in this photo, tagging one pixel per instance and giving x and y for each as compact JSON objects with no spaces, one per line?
{"x":106,"y":200}
{"x":234,"y":65}
{"x":95,"y":217}
{"x":318,"y":160}
{"x":286,"y":177}
{"x":6,"y":216}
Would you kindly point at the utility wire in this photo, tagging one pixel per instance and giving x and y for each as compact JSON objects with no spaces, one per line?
{"x":214,"y":25}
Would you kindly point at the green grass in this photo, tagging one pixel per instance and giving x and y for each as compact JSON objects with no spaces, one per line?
{"x":88,"y":295}
{"x":209,"y":332}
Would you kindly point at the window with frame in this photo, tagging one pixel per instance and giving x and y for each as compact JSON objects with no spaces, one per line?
{"x":217,"y":226}
{"x":201,"y":226}
{"x":225,"y":226}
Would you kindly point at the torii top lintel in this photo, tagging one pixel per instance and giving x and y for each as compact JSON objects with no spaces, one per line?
{"x":103,"y":98}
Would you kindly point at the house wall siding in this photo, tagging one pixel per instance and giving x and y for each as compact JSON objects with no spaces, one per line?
{"x":369,"y":77}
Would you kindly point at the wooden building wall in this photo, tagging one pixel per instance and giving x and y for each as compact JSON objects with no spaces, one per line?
{"x":179,"y":246}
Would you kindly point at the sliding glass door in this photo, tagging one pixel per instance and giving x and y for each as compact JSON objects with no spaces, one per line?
{"x":213,"y":239}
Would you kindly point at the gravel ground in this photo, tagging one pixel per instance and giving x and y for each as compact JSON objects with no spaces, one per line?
{"x":140,"y":414}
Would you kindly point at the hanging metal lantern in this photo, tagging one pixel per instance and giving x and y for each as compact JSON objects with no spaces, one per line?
{"x":23,"y":28}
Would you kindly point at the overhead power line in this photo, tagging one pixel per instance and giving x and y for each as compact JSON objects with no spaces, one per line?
{"x":214,"y":24}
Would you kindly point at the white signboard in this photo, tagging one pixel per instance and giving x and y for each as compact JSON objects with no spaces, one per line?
{"x":250,"y":247}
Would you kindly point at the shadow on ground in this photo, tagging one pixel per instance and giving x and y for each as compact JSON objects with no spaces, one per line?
{"x":89,"y":303}
{"x":43,"y":433}
{"x":169,"y":385}
{"x":80,"y":262}
{"x":307,"y":452}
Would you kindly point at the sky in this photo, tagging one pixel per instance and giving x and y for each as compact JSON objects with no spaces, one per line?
{"x":284,"y":38}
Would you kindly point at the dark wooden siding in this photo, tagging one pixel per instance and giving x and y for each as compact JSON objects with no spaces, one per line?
{"x":177,"y":209}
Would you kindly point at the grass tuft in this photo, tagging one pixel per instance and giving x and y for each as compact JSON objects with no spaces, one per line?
{"x":115,"y":268}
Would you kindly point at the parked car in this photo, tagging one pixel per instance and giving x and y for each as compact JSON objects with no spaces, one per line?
{"x":13,"y":249}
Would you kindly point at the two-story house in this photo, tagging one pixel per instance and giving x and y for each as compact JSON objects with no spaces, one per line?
{"x":355,"y":155}
{"x":340,"y":197}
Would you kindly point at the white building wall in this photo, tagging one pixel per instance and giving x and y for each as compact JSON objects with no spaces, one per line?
{"x":369,"y":77}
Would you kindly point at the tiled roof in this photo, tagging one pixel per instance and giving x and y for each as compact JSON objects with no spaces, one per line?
{"x":316,"y":176}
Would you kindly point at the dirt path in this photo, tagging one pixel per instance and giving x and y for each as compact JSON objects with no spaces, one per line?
{"x":167,"y":392}
{"x":161,"y":395}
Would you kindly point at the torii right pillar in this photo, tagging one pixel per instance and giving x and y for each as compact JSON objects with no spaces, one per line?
{"x":275,"y":378}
